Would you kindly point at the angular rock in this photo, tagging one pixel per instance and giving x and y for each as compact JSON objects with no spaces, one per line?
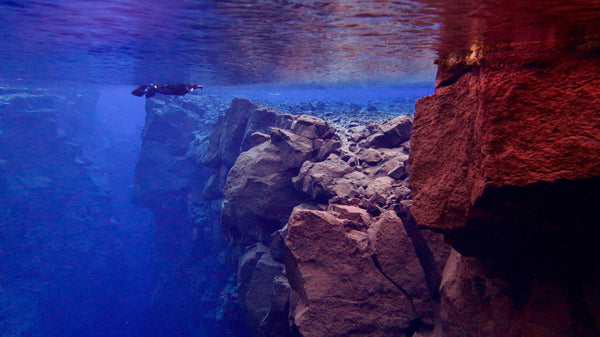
{"x":258,"y":138}
{"x":259,"y":193}
{"x":232,"y":134}
{"x":227,"y":135}
{"x":276,"y":323}
{"x":379,"y":190}
{"x":294,"y":149}
{"x":246,"y":267}
{"x":265,"y":295}
{"x":337,"y":290}
{"x":391,"y":134}
{"x":261,"y":118}
{"x":429,"y":246}
{"x":370,"y":156}
{"x":398,"y":172}
{"x":329,"y":146}
{"x":322,"y":180}
{"x":352,"y":213}
{"x":214,"y":185}
{"x":396,"y":257}
{"x":312,"y":127}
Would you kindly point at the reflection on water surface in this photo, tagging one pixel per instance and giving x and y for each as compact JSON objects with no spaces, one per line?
{"x":225,"y":42}
{"x":243,"y":41}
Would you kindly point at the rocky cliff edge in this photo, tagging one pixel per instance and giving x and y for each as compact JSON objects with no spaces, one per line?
{"x":319,"y":218}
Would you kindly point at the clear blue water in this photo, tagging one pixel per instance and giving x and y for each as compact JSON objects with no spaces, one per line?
{"x":77,"y":258}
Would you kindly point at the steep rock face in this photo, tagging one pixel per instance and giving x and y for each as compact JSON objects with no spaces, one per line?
{"x":164,"y":171}
{"x":497,"y":126}
{"x":505,"y":161}
{"x":191,"y":272}
{"x":516,"y":114}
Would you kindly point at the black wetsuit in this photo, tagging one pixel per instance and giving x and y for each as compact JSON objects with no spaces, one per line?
{"x":166,"y":89}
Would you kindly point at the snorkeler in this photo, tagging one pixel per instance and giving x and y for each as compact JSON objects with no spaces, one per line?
{"x":166,"y":89}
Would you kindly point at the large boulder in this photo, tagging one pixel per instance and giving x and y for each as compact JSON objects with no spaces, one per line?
{"x":354,"y":275}
{"x":232,"y":135}
{"x":259,"y":194}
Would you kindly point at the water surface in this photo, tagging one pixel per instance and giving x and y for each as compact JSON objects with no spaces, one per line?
{"x":217,"y":42}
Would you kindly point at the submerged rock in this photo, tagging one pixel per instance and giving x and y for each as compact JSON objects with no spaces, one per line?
{"x":190,"y":270}
{"x":264,"y":291}
{"x":259,"y":194}
{"x":392,"y":134}
{"x":354,"y":278}
{"x":232,"y":134}
{"x":505,"y":162}
{"x":347,"y":268}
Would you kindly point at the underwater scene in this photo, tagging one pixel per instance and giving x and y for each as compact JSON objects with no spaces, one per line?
{"x":301,"y":168}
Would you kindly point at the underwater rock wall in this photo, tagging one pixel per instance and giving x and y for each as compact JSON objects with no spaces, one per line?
{"x":191,"y":270}
{"x":62,"y":263}
{"x":505,"y":161}
{"x":319,"y":221}
{"x":260,"y":164}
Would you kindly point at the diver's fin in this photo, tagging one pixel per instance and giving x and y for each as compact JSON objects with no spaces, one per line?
{"x":140,"y":91}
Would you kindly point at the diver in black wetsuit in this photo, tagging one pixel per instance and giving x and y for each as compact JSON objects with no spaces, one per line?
{"x":166,"y":89}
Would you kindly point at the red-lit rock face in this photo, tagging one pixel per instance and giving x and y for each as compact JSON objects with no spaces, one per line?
{"x":505,"y":161}
{"x":507,"y":114}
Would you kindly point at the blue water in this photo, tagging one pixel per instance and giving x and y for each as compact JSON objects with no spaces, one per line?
{"x":77,"y":258}
{"x":217,"y":42}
